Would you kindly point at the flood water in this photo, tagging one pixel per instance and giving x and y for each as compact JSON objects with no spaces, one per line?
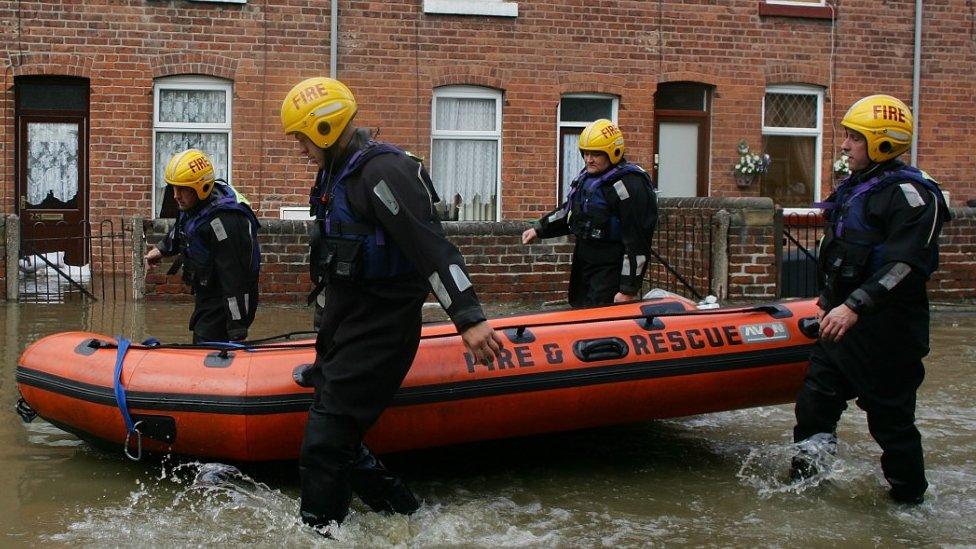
{"x":713,"y":480}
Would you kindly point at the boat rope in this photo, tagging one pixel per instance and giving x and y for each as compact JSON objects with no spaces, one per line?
{"x":130,"y":427}
{"x":259,"y":345}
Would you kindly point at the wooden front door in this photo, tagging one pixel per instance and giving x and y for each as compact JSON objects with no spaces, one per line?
{"x":52,"y":167}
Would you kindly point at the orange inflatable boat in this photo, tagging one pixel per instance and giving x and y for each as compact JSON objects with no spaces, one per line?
{"x":560,"y":370}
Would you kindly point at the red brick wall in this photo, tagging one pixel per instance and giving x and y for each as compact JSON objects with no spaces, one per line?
{"x":502,"y":269}
{"x":393,"y":55}
{"x":956,"y":277}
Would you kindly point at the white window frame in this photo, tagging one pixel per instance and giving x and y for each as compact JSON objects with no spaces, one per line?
{"x":299,"y":213}
{"x":471,"y":92}
{"x":801,"y":132}
{"x":819,"y":4}
{"x":497,"y":8}
{"x":560,"y":124}
{"x":192,"y":83}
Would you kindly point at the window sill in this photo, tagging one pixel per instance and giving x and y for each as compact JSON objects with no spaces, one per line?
{"x":788,"y":10}
{"x":495,"y":8}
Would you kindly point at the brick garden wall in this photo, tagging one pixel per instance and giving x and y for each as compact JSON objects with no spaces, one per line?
{"x":956,"y":277}
{"x":503,"y":270}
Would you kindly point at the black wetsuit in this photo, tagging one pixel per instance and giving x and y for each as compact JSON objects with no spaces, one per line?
{"x":878,"y":361}
{"x":225,"y":290}
{"x":602,"y":267}
{"x":370,"y":332}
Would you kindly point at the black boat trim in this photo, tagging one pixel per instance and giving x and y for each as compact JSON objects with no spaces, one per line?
{"x":428,"y":394}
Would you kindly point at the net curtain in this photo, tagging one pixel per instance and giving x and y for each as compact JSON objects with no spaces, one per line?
{"x":52,"y":161}
{"x":572,"y":161}
{"x":465,"y":170}
{"x":168,"y":144}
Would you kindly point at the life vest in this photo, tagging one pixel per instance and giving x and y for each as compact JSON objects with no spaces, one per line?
{"x":589,"y":211}
{"x":197,"y":256}
{"x":346,"y":247}
{"x":861,"y":243}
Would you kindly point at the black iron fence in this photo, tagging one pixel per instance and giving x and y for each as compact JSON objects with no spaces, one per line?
{"x":681,"y":254}
{"x":799,"y":270}
{"x":87,"y":260}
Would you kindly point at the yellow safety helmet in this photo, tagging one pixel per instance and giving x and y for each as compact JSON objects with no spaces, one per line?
{"x":320,"y":108}
{"x":886,"y":124}
{"x":604,"y":136}
{"x":191,"y":168}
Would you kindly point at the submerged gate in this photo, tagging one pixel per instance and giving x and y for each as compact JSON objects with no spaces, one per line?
{"x":88,"y":260}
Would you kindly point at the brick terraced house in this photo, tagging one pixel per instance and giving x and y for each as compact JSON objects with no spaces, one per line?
{"x":95,"y":95}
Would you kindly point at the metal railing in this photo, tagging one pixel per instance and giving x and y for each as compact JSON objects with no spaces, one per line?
{"x":799,"y":269}
{"x":83,"y":261}
{"x":681,"y":258}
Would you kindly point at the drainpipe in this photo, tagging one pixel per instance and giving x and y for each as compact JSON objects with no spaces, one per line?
{"x":916,"y":78}
{"x":334,"y":41}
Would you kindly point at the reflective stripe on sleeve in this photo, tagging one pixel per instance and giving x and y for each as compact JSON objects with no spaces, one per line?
{"x":235,"y":312}
{"x":460,"y":279}
{"x":621,"y":190}
{"x":440,"y":292}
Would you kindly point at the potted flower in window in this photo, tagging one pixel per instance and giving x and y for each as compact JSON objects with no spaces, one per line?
{"x":750,"y":166}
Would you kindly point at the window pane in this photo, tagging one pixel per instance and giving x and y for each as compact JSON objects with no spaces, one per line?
{"x":52,"y":165}
{"x":170,"y":143}
{"x":585,"y":109}
{"x":791,"y":110}
{"x":680,"y":97}
{"x":465,"y":114}
{"x":465,"y":172}
{"x":194,"y":106}
{"x":52,"y":96}
{"x":572,"y":162}
{"x":790,"y":179}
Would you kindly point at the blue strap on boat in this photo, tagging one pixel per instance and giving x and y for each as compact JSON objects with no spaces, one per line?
{"x":130,"y":427}
{"x":226,"y":345}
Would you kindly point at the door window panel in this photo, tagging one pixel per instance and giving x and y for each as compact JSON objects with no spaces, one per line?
{"x":52,"y":165}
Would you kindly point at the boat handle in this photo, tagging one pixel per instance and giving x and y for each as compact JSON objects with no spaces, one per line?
{"x":810,"y":327}
{"x":589,"y":350}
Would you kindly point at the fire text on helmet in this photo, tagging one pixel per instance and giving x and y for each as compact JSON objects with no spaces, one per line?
{"x":610,"y":130}
{"x":198,"y":164}
{"x":888,"y":112}
{"x":307,"y":94}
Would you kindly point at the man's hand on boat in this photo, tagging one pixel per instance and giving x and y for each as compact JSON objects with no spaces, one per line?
{"x":835,"y":323}
{"x":482,"y":341}
{"x":623,"y":298}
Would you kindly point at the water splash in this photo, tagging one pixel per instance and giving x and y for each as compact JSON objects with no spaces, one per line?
{"x":766,"y":468}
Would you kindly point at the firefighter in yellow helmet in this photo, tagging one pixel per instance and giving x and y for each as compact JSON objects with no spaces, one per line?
{"x":879,"y":248}
{"x":216,"y":237}
{"x":378,"y":249}
{"x":612,"y":211}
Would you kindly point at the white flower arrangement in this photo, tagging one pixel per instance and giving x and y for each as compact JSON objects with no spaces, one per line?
{"x":750,"y":163}
{"x":842,"y":165}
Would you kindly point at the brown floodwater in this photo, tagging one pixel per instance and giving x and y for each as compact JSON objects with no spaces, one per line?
{"x":713,"y":480}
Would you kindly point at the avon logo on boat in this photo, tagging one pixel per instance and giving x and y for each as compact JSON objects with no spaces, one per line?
{"x":760,"y":333}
